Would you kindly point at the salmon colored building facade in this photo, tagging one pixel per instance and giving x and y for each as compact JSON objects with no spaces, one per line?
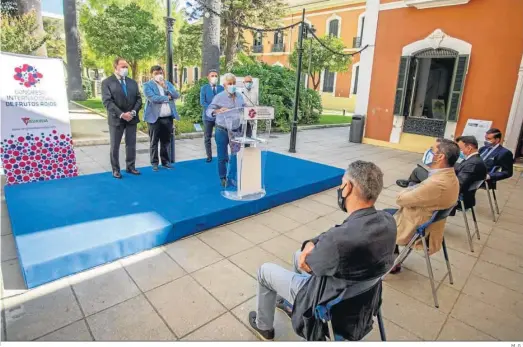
{"x":435,"y":64}
{"x":342,"y":18}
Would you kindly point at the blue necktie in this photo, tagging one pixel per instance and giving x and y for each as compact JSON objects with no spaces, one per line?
{"x":124,"y":86}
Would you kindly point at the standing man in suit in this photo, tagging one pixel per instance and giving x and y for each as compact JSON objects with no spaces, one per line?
{"x":160,"y":110}
{"x":470,"y":170}
{"x":496,"y":156}
{"x":207,"y":93}
{"x":121,"y":97}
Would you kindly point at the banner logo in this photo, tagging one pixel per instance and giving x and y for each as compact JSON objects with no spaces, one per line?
{"x":252,"y":113}
{"x":28,"y":120}
{"x":27,"y":75}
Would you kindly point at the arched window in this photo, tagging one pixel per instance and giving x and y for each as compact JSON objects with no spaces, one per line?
{"x":257,"y":43}
{"x":184,"y":79}
{"x":334,"y":25}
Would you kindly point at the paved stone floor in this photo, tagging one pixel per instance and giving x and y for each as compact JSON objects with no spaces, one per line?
{"x":202,"y":287}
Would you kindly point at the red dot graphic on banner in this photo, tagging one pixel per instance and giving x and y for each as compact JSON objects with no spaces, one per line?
{"x":37,"y":160}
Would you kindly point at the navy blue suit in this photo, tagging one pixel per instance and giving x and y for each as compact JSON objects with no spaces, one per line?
{"x":206,"y":95}
{"x":500,"y":158}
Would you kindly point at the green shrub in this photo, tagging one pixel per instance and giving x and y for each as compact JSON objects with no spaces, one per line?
{"x":87,"y":86}
{"x":277,"y":88}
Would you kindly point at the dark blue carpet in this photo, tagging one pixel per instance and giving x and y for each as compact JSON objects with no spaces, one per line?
{"x":65,"y":226}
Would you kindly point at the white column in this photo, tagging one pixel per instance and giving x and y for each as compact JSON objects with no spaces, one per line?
{"x":367,"y":56}
{"x":515,"y":119}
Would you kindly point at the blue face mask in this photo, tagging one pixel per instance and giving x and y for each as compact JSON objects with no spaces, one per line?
{"x":427,"y":159}
{"x":231,"y":89}
{"x":248,"y":85}
{"x":462,"y":155}
{"x":488,"y":144}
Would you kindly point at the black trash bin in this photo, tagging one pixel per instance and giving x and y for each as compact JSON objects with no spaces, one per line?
{"x":356,"y":129}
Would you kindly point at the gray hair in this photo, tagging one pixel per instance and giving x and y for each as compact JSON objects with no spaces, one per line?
{"x":367,"y":178}
{"x":229,"y":76}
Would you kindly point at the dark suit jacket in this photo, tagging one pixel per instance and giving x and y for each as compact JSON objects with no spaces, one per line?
{"x":502,"y":158}
{"x":116,"y":102}
{"x":469,"y":171}
{"x":358,"y":250}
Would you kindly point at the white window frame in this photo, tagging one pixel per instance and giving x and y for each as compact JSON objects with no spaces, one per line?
{"x":360,"y":24}
{"x":353,"y":78}
{"x":329,"y":20}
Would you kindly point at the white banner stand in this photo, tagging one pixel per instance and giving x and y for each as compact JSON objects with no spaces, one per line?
{"x":36,"y":141}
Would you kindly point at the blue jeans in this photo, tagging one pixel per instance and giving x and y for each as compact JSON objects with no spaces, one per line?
{"x":221,"y":137}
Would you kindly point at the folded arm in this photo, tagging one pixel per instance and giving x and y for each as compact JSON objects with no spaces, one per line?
{"x":153,"y":97}
{"x":505,"y":162}
{"x":421,"y":196}
{"x":323,"y":260}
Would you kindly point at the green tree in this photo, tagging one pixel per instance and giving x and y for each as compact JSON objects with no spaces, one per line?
{"x":127,"y":31}
{"x":317,"y":58}
{"x":34,"y":6}
{"x":187,"y":50}
{"x":18,"y":34}
{"x":276,"y":89}
{"x":54,"y":28}
{"x":257,"y":13}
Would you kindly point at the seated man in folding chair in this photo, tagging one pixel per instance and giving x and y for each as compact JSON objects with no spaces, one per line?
{"x":438,"y":192}
{"x":472,"y":169}
{"x":496,"y":156}
{"x":351,"y":255}
{"x":420,"y":172}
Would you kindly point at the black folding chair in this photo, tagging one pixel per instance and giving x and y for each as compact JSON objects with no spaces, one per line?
{"x":473,"y":188}
{"x":420,"y":234}
{"x":324,"y":313}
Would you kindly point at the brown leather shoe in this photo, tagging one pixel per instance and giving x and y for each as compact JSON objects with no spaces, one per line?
{"x":133,"y":171}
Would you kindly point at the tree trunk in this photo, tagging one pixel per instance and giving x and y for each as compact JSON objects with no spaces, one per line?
{"x":211,"y":38}
{"x":134,"y":69}
{"x":72,"y":50}
{"x":180,"y":82}
{"x":230,"y":46}
{"x":26,"y":6}
{"x":315,"y":81}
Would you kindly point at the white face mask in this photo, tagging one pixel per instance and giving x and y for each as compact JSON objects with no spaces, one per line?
{"x":213,"y":80}
{"x":123,"y":72}
{"x":159,"y":78}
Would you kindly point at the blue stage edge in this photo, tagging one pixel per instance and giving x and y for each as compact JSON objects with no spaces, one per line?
{"x":66,"y":226}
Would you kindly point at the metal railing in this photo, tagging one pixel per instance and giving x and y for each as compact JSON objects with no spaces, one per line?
{"x":280,"y":47}
{"x":257,"y":49}
{"x":356,"y":42}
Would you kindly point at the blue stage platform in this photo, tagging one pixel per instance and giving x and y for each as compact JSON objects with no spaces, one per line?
{"x":65,"y":226}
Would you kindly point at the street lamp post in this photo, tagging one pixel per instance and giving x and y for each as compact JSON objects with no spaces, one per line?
{"x":294,"y":126}
{"x":169,"y":22}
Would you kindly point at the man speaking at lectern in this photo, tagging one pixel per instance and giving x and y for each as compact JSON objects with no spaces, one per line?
{"x":225,"y":108}
{"x":349,"y":258}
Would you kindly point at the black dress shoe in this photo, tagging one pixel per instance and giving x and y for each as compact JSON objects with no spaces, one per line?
{"x":133,"y":171}
{"x":208,"y":160}
{"x":117,"y":174}
{"x":263,"y":334}
{"x":402,"y":183}
{"x":155,"y":167}
{"x":167,"y":166}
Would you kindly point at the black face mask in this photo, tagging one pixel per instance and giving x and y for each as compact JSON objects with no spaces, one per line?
{"x":341,"y":199}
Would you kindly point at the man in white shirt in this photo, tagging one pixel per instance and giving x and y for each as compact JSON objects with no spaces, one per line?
{"x":250,"y":96}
